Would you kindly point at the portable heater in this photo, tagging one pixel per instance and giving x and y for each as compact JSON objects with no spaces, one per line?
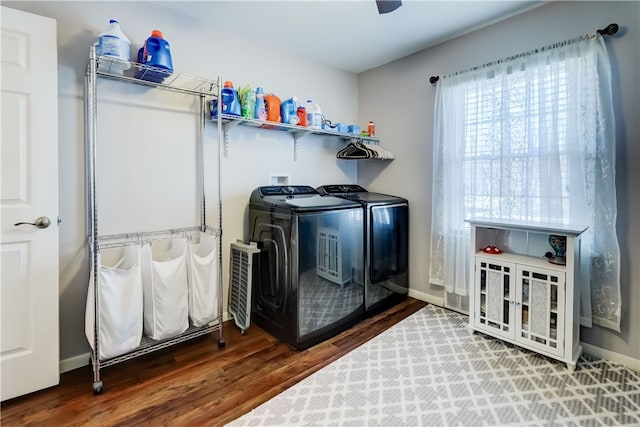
{"x":244,"y":262}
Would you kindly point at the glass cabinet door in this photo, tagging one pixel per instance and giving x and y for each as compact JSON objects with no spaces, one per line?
{"x":494,"y":308}
{"x":540,"y":308}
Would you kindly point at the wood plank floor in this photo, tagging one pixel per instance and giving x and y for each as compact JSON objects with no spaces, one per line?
{"x":193,"y":383}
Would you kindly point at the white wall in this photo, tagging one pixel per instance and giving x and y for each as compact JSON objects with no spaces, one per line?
{"x":146,"y":151}
{"x":399,"y":97}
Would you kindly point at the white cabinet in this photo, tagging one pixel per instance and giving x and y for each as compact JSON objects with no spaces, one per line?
{"x":518,"y":295}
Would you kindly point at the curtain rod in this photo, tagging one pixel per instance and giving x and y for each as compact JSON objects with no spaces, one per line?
{"x":609,"y":30}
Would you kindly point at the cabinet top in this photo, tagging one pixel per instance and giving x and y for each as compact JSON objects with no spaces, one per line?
{"x":547,"y":227}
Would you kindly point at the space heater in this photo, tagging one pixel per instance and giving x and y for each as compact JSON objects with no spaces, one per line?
{"x":244,"y":263}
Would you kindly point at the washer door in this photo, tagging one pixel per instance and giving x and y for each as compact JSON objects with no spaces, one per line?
{"x":274,"y":287}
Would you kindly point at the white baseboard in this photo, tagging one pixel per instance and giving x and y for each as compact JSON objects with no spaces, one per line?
{"x":428,"y":298}
{"x":75,"y":362}
{"x":626,"y":361}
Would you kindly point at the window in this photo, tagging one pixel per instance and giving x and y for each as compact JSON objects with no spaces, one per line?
{"x":529,"y":138}
{"x":505,"y":148}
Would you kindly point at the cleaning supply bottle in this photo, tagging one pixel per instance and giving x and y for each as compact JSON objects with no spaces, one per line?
{"x":113,"y":43}
{"x":260,"y":109}
{"x":302,"y":116}
{"x":288,"y":111}
{"x":155,"y":52}
{"x":230,"y":102}
{"x":247,"y":101}
{"x":272,"y":104}
{"x":371,"y":128}
{"x":314,"y":115}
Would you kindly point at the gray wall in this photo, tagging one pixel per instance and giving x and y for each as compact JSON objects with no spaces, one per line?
{"x":396,"y":96}
{"x":399,"y":97}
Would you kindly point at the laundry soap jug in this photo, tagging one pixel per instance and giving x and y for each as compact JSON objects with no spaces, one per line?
{"x":288,"y":111}
{"x":272,"y":104}
{"x":230,"y":101}
{"x":155,"y":53}
{"x":113,"y":43}
{"x":314,"y":115}
{"x":302,"y":116}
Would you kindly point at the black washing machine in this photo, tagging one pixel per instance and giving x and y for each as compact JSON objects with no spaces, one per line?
{"x":385,"y":271}
{"x":311,"y":250}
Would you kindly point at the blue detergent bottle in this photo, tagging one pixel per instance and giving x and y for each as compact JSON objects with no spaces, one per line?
{"x":288,"y":111}
{"x":155,"y":53}
{"x":230,"y":101}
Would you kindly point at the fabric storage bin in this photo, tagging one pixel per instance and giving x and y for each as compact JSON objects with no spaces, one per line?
{"x":203,"y":277}
{"x":164,"y":282}
{"x":120,"y":295}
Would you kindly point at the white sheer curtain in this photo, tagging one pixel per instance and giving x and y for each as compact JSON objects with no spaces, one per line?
{"x":529,"y":138}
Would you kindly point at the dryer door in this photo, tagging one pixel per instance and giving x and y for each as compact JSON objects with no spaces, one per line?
{"x":388,"y":241}
{"x":330,"y":246}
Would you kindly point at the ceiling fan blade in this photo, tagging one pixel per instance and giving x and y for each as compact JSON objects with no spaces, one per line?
{"x":386,"y":6}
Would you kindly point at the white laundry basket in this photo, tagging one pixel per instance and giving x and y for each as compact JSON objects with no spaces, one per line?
{"x":203,"y":279}
{"x":120,"y":309}
{"x":165,"y":287}
{"x":243,"y":265}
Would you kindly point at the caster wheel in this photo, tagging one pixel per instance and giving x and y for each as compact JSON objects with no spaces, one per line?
{"x":97,"y":387}
{"x":221,"y":342}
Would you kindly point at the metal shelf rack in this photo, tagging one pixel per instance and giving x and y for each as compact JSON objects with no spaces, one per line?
{"x":109,"y":68}
{"x":230,"y":121}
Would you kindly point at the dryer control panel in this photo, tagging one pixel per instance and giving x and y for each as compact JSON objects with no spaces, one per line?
{"x":341,"y":189}
{"x":285,"y":190}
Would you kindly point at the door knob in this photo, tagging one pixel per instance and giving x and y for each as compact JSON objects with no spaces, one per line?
{"x":42,"y":222}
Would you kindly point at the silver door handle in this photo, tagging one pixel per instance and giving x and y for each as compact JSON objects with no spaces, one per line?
{"x":42,"y":222}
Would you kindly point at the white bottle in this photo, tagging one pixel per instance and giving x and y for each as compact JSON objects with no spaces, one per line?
{"x":113,"y":43}
{"x":314,"y":115}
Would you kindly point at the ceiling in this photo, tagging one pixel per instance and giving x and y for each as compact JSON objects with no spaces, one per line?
{"x":350,"y":34}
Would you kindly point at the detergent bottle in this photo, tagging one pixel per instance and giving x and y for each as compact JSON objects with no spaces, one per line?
{"x":302,"y":116}
{"x":230,"y":102}
{"x":288,"y":111}
{"x":113,"y":43}
{"x":314,"y":115}
{"x":260,"y":109}
{"x":155,"y":53}
{"x":272,"y":105}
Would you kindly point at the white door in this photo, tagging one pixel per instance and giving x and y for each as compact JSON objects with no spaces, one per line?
{"x":29,"y":171}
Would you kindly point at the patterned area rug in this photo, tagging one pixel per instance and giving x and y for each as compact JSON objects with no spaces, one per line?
{"x":430,"y":370}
